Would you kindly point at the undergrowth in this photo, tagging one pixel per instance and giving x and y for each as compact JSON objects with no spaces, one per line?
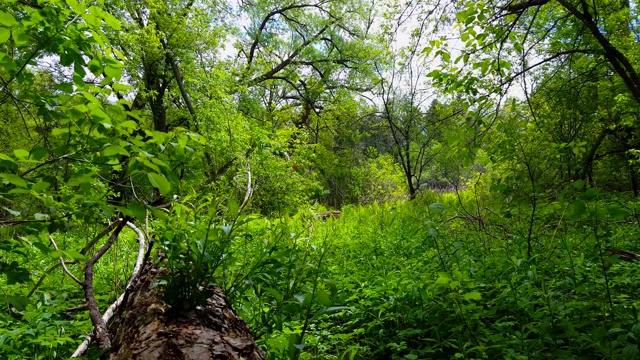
{"x":440,"y":277}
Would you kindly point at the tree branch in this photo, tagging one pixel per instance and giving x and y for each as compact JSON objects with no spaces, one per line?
{"x":99,"y":324}
{"x":114,"y":307}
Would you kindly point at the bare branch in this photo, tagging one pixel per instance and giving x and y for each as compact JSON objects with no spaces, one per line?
{"x":99,"y":325}
{"x":265,"y":21}
{"x":249,"y":192}
{"x":269,"y":75}
{"x":64,"y":266}
{"x":108,"y":314}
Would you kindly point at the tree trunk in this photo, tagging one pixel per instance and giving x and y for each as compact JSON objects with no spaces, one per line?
{"x":150,"y":329}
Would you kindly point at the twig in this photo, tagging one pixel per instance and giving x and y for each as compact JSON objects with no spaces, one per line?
{"x":83,"y":252}
{"x":64,"y":266}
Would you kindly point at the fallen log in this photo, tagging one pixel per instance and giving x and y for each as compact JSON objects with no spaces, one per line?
{"x":623,"y":254}
{"x":148,"y":328}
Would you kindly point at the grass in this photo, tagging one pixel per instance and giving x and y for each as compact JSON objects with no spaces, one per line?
{"x":441,"y":277}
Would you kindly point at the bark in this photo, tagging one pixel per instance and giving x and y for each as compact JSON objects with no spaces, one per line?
{"x":150,"y":329}
{"x":587,"y":167}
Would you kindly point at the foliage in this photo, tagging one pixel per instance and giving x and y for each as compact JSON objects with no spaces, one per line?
{"x":469,"y":219}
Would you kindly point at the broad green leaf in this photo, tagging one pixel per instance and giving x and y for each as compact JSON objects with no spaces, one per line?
{"x":113,"y":72}
{"x":138,"y":210}
{"x":78,"y":80}
{"x":115,"y":150}
{"x":474,"y":295}
{"x":21,"y":153}
{"x":579,"y":210}
{"x":78,"y":7}
{"x":40,"y":186}
{"x":7,"y":20}
{"x":437,"y":207}
{"x":19,"y":302}
{"x":39,"y":153}
{"x":323,"y":297}
{"x":14,"y":179}
{"x":74,"y":255}
{"x":95,"y":66}
{"x":5,"y":34}
{"x":10,"y":211}
{"x":121,"y":87}
{"x":159,"y":182}
{"x":20,"y":37}
{"x":65,"y":87}
{"x":40,"y":216}
{"x":618,"y":213}
{"x":129,"y":124}
{"x":91,"y":20}
{"x":17,"y":275}
{"x":111,"y":20}
{"x":275,"y":293}
{"x":630,"y":352}
{"x":58,"y":131}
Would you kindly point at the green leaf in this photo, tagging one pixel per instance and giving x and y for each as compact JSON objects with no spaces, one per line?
{"x":617,"y":212}
{"x":437,"y":207}
{"x":20,"y":37}
{"x":40,"y":216}
{"x":474,"y":295}
{"x":39,"y":153}
{"x":95,"y":66}
{"x":14,"y":179}
{"x":40,"y":186}
{"x":275,"y":293}
{"x":121,"y":87}
{"x":10,"y":211}
{"x":65,"y":87}
{"x":74,"y":255}
{"x":17,"y":275}
{"x":91,"y":20}
{"x":76,"y":6}
{"x":21,"y":153}
{"x":159,"y":182}
{"x":18,"y":301}
{"x":630,"y":352}
{"x":5,"y":34}
{"x":58,"y":131}
{"x":301,"y":298}
{"x":7,"y":19}
{"x":579,"y":210}
{"x":138,"y":210}
{"x":78,"y":80}
{"x":323,"y":297}
{"x":111,"y":20}
{"x":113,"y":72}
{"x":129,"y":124}
{"x":115,"y":150}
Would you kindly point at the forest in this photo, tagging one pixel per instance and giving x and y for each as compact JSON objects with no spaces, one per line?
{"x":319,"y":179}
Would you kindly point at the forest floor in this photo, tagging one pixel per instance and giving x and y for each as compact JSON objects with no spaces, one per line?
{"x":425,"y":279}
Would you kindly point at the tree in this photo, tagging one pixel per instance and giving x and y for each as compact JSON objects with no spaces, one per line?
{"x":65,"y":181}
{"x":403,"y":93}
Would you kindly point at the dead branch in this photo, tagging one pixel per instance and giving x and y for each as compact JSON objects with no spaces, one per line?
{"x":249,"y":192}
{"x":108,"y":314}
{"x":99,"y":325}
{"x":83,"y":252}
{"x":64,"y":266}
